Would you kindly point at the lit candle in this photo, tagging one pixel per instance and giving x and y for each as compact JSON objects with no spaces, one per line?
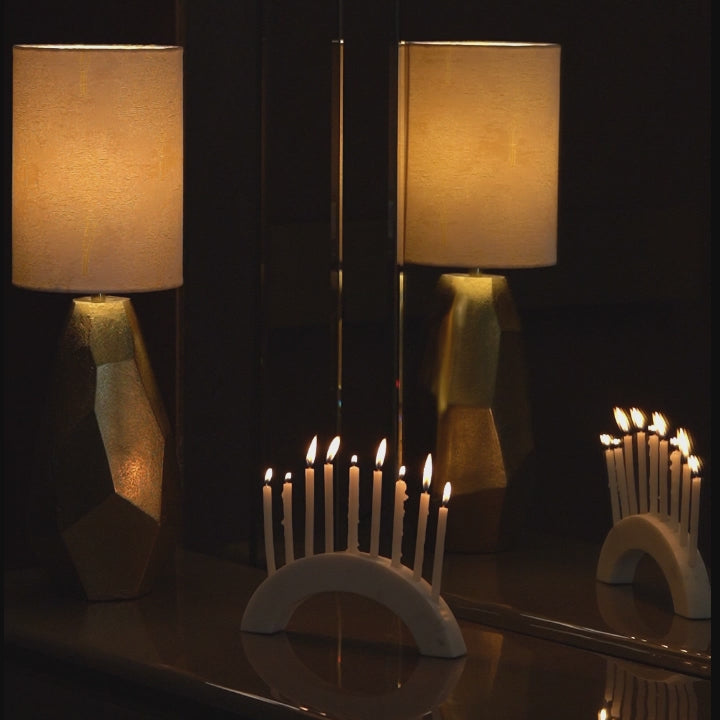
{"x":376,"y":499}
{"x":623,"y":422}
{"x":267,"y":515}
{"x":422,"y":519}
{"x":287,"y":518}
{"x":329,"y":476}
{"x":310,"y":498}
{"x":661,"y":427}
{"x":653,"y":448}
{"x":608,"y":441}
{"x":681,"y":443}
{"x":638,"y":418}
{"x":353,"y":504}
{"x":685,"y":492}
{"x":621,"y":481}
{"x":440,"y":543}
{"x":694,"y":464}
{"x":398,"y":517}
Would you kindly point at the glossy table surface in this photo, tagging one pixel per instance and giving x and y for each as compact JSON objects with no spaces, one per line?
{"x":344,"y":656}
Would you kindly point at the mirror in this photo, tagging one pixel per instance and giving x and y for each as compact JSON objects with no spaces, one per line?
{"x":612,"y":323}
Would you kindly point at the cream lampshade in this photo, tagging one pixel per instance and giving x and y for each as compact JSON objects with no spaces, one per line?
{"x":477,"y":188}
{"x":97,"y":207}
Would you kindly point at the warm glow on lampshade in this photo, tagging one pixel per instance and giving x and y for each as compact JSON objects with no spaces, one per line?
{"x":478,"y":141}
{"x":97,"y":168}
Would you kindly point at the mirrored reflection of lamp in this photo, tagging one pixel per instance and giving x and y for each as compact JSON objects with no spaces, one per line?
{"x":477,"y":185}
{"x":97,"y":207}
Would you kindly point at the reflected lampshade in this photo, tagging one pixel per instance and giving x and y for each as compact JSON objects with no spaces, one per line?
{"x":97,"y":168}
{"x":478,"y":145}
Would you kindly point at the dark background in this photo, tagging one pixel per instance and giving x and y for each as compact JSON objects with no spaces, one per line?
{"x":245,"y":351}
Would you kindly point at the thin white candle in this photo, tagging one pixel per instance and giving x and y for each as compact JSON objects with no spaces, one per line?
{"x":661,"y":427}
{"x":638,"y":418}
{"x":623,"y":422}
{"x":675,"y":469}
{"x":398,"y":517}
{"x":652,"y":699}
{"x":377,"y":499}
{"x":267,"y":516}
{"x":422,"y":519}
{"x":608,"y":441}
{"x":329,"y":477}
{"x":440,"y":543}
{"x":663,"y":689}
{"x":685,"y":490}
{"x":287,"y":520}
{"x":682,"y":448}
{"x":621,"y":482}
{"x":654,"y":487}
{"x":694,"y":464}
{"x":310,"y":498}
{"x":353,"y":504}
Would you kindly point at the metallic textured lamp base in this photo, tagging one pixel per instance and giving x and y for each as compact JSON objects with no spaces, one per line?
{"x":484,"y":438}
{"x":114,"y":472}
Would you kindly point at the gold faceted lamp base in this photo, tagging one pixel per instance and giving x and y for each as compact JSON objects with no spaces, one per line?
{"x":114,"y":472}
{"x":484,"y":437}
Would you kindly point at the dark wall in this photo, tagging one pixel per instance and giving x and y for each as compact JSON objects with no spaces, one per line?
{"x":248,"y":370}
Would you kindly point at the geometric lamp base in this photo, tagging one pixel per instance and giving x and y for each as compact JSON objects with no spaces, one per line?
{"x":114,"y":471}
{"x":484,"y":445}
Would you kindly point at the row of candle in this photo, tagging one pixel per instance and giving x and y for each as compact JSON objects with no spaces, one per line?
{"x":668,"y":482}
{"x":646,"y":698}
{"x":353,"y":512}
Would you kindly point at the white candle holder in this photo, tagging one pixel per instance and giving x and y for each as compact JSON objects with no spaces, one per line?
{"x":429,"y":619}
{"x":635,"y":535}
{"x":666,"y":532}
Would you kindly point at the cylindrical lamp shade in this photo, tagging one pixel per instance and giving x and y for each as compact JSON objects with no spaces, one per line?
{"x":97,"y":168}
{"x":478,"y":147}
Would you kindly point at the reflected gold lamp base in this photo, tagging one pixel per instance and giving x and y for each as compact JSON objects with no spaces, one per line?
{"x":114,"y":472}
{"x":484,"y":437}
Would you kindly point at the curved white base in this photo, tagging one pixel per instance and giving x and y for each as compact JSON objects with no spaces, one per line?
{"x":635,"y":535}
{"x":430,"y":620}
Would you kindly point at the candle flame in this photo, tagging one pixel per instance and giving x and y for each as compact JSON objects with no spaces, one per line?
{"x":427,"y":473}
{"x":606,"y":439}
{"x":621,"y":419}
{"x":288,"y":477}
{"x":334,"y":445}
{"x":602,"y":715}
{"x":638,"y":418}
{"x":268,"y":476}
{"x":693,"y":462}
{"x":380,"y":457}
{"x":446,"y":494}
{"x":660,"y":423}
{"x":682,"y":442}
{"x":353,"y":460}
{"x":310,"y":457}
{"x":401,"y":472}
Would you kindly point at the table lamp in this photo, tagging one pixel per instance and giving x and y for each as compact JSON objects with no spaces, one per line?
{"x":97,"y":207}
{"x":477,"y":185}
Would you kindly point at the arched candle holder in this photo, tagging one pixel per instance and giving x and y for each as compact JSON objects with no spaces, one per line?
{"x":429,"y":619}
{"x":654,"y":486}
{"x":632,"y":537}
